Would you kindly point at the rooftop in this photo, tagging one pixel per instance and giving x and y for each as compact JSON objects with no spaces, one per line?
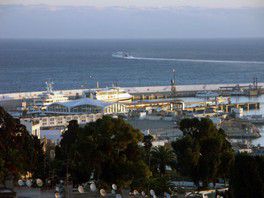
{"x":83,"y":101}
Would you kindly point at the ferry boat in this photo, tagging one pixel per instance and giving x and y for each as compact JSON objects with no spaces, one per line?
{"x":206,"y":94}
{"x":48,"y":97}
{"x":113,"y":94}
{"x":121,"y":54}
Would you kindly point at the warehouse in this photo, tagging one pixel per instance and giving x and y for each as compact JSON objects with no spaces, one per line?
{"x":86,"y":106}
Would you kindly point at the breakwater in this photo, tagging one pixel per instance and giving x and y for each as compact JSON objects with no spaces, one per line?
{"x":146,"y":92}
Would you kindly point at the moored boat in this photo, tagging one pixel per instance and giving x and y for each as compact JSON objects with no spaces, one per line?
{"x":113,"y":94}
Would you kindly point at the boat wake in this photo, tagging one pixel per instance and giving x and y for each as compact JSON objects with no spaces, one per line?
{"x":196,"y":60}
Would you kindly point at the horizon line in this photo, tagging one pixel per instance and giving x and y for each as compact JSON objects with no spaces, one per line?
{"x":133,"y":6}
{"x":139,"y":38}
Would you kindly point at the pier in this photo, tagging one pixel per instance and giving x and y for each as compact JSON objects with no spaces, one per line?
{"x":149,"y":92}
{"x":223,"y":107}
{"x":174,"y":104}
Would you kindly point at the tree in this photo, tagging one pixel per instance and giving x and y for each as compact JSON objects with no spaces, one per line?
{"x":65,"y":152}
{"x":108,"y":149}
{"x":247,"y":178}
{"x":161,"y":157}
{"x":190,"y":126}
{"x":147,"y":141}
{"x":188,"y":154}
{"x":18,"y":153}
{"x":38,"y":160}
{"x":203,"y":152}
{"x":161,"y":185}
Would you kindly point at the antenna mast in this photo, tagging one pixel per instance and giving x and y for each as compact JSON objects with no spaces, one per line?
{"x":49,"y":86}
{"x":173,"y":84}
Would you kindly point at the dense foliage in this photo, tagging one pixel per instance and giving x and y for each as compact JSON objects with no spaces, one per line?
{"x":107,"y":149}
{"x":162,"y":157}
{"x":247,"y":178}
{"x":203,"y":153}
{"x":20,"y":152}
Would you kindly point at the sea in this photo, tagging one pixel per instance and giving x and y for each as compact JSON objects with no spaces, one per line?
{"x":25,"y":65}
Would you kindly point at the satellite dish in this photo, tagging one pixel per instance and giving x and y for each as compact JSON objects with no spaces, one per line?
{"x":80,"y":189}
{"x":39,"y":182}
{"x":20,"y":182}
{"x":143,"y":194}
{"x":135,"y":192}
{"x":93,"y":187}
{"x":118,"y":196}
{"x":167,"y":195}
{"x":29,"y":183}
{"x":102,"y":192}
{"x":114,"y":186}
{"x":152,"y":192}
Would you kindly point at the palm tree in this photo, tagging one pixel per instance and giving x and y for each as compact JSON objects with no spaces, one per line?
{"x":161,"y":157}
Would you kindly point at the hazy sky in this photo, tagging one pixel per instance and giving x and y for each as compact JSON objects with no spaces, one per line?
{"x":144,"y":3}
{"x":131,"y":19}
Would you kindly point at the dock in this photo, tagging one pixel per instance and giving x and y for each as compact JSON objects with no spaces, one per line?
{"x":146,"y":92}
{"x":174,"y":104}
{"x":200,"y":106}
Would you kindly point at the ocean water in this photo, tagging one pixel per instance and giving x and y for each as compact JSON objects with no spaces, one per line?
{"x":26,"y":64}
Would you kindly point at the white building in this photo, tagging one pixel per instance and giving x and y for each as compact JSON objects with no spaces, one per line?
{"x":32,"y":126}
{"x":86,"y":106}
{"x":63,"y":120}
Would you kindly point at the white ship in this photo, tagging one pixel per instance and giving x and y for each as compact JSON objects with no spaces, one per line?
{"x":206,"y":94}
{"x":121,"y":54}
{"x":113,"y":94}
{"x":48,"y":97}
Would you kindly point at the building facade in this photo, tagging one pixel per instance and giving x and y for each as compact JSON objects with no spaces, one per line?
{"x":32,"y":126}
{"x":86,"y":106}
{"x":63,"y":120}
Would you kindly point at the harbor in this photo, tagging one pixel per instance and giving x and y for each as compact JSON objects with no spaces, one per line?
{"x":158,"y":92}
{"x":53,"y":109}
{"x":131,"y":99}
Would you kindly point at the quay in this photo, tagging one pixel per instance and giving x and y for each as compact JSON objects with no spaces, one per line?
{"x":174,"y":104}
{"x":149,"y":92}
{"x":223,"y":107}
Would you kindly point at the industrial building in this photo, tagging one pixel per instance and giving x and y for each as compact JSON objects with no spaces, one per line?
{"x":86,"y":106}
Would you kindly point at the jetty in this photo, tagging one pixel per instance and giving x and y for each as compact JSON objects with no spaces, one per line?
{"x":153,"y":92}
{"x":199,"y":106}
